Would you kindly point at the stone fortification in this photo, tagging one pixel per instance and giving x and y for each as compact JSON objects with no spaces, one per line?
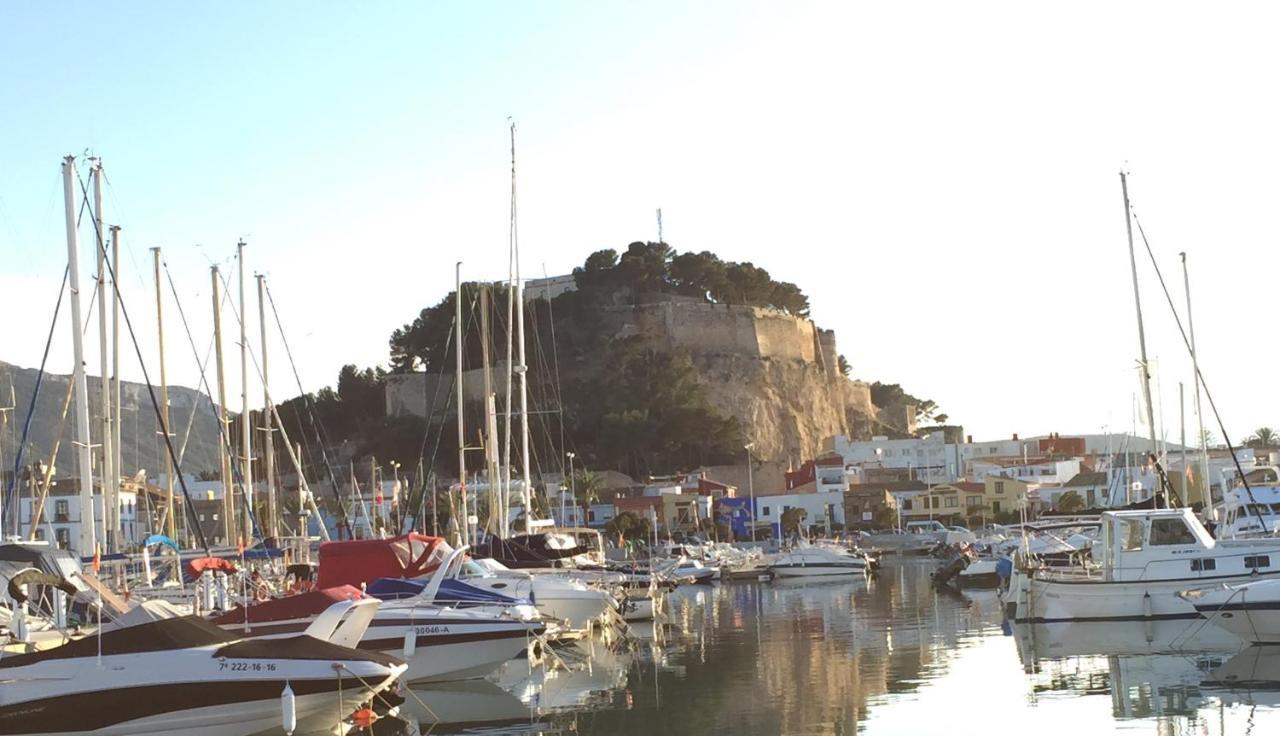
{"x":776,"y":373}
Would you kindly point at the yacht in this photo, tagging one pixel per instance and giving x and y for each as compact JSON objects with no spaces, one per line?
{"x":1249,"y":610}
{"x":817,"y":562}
{"x":1140,"y":563}
{"x":183,"y":675}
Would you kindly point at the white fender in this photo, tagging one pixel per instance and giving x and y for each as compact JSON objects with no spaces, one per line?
{"x":288,"y":710}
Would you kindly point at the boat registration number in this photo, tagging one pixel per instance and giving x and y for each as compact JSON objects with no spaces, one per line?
{"x":225,"y":666}
{"x":420,"y":630}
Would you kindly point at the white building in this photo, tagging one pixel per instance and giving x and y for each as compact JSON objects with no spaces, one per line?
{"x":821,"y":509}
{"x":1045,"y":472}
{"x":550,"y":287}
{"x":60,"y":518}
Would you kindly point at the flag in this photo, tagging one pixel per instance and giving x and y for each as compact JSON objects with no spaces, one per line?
{"x":97,"y":559}
{"x":240,"y":545}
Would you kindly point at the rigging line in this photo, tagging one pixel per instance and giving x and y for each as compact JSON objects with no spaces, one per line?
{"x":35,"y":394}
{"x":151,"y":391}
{"x":431,"y":411}
{"x":204,"y":381}
{"x":237,"y":476}
{"x":1204,"y":384}
{"x":317,"y":428}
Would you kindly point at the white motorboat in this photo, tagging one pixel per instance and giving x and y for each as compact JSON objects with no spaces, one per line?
{"x":183,"y":675}
{"x":817,"y":562}
{"x":1137,"y":568}
{"x":438,"y":643}
{"x":566,"y":600}
{"x":1251,"y":610}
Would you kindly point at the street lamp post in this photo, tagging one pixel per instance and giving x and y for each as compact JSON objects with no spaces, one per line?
{"x":751,"y":492}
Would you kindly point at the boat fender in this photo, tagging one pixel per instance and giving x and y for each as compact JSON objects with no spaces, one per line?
{"x":288,"y":710}
{"x":410,"y":642}
{"x":364,"y":718}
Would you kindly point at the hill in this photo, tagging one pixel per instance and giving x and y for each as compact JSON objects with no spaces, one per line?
{"x":139,"y":434}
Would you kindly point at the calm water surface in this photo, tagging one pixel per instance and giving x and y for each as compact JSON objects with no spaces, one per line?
{"x":886,"y":656}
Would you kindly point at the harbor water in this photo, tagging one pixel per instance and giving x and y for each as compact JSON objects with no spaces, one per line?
{"x":890,"y":655}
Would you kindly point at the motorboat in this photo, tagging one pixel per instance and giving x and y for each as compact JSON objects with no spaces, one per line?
{"x":1136,"y":570}
{"x":438,"y":643}
{"x":571,"y":602}
{"x":817,"y":562}
{"x":183,"y":675}
{"x":1250,"y":610}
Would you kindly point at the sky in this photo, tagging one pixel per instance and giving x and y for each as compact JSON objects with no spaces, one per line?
{"x":940,"y":178}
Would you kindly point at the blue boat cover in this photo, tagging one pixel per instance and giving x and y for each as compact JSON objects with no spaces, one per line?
{"x":451,"y":591}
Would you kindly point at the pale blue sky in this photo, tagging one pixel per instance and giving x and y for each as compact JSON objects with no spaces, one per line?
{"x":940,"y":178}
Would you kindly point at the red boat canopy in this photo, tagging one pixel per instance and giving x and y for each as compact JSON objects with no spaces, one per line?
{"x":216,"y":564}
{"x":303,"y":605}
{"x":363,"y":561}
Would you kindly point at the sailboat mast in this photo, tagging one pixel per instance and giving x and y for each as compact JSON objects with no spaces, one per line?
{"x":1137,"y":301}
{"x":224,"y":443}
{"x":84,"y":457}
{"x":527,"y":491}
{"x":464,"y":526}
{"x":171,"y":511}
{"x":117,"y":419}
{"x":497,"y":500}
{"x":1195,"y":369}
{"x":268,"y":442}
{"x":246,"y":432}
{"x":104,"y":381}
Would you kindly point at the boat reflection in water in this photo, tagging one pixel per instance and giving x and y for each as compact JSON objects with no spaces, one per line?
{"x":886,"y":656}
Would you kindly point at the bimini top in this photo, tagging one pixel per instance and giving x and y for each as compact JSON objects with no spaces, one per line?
{"x":358,"y":562}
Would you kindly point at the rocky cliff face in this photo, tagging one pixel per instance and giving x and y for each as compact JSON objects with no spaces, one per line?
{"x":787,"y":408}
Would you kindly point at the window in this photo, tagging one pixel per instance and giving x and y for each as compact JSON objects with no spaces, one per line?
{"x":1199,"y":565}
{"x":991,"y":450}
{"x":995,"y":507}
{"x":952,"y":502}
{"x":764,"y":510}
{"x":39,"y":535}
{"x":1253,"y":562}
{"x":1166,"y":532}
{"x":1130,"y":534}
{"x":63,"y":536}
{"x":906,"y":505}
{"x":61,"y":511}
{"x":999,"y":487}
{"x":972,"y":501}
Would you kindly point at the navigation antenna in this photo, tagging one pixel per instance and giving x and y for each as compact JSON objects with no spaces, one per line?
{"x":660,"y":225}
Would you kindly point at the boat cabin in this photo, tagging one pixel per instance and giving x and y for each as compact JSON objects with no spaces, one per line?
{"x":1166,"y":544}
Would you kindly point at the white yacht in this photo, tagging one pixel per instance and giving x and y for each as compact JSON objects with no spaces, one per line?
{"x":1137,"y":568}
{"x":1249,"y":610}
{"x":817,"y":562}
{"x":183,"y":675}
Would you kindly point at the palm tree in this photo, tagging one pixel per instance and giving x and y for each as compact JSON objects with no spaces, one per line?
{"x":628,"y":525}
{"x":1262,"y":437}
{"x":792,"y":519}
{"x":1070,"y":502}
{"x":589,"y":485}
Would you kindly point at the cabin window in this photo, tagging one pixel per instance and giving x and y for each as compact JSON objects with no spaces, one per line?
{"x":1253,"y":562}
{"x":1130,"y":534}
{"x":1203,"y":565}
{"x":1171,"y":531}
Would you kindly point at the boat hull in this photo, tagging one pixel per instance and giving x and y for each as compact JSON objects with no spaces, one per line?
{"x":816,"y":571}
{"x":1036,"y":600}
